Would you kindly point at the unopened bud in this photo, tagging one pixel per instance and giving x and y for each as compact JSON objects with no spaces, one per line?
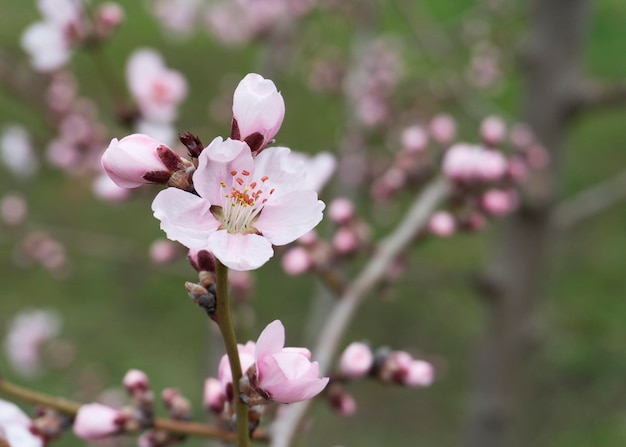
{"x":192,"y":143}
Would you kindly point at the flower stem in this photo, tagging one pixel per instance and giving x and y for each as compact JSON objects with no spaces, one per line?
{"x":225,"y":322}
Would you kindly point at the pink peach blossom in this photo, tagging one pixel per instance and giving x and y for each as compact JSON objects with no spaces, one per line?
{"x":17,"y":152}
{"x":243,"y":206}
{"x":96,"y":421}
{"x":157,"y":89}
{"x":258,"y":108}
{"x":442,"y":128}
{"x":285,"y":375}
{"x":13,"y":209}
{"x":356,"y":361}
{"x":493,"y":130}
{"x":499,"y":202}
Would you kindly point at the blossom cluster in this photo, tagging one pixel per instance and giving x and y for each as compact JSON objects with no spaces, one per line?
{"x":235,"y":197}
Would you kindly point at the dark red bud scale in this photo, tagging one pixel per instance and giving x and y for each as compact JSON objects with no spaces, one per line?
{"x":255,"y":141}
{"x":170,"y":159}
{"x":234,"y":130}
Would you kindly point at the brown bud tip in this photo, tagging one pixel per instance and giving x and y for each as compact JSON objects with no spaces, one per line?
{"x":170,"y":159}
{"x":255,"y":141}
{"x":192,"y":143}
{"x":160,"y":177}
{"x":234,"y":130}
{"x":202,"y":261}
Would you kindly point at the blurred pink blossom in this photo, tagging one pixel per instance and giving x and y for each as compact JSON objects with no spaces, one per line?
{"x":17,"y":153}
{"x":163,"y":251}
{"x":442,"y":128}
{"x":414,"y":139}
{"x":157,"y":89}
{"x":27,"y":332}
{"x":499,"y":202}
{"x":493,"y":130}
{"x":49,"y":42}
{"x":356,"y":360}
{"x":13,"y":209}
{"x":442,"y":223}
{"x":296,"y":261}
{"x":341,"y":210}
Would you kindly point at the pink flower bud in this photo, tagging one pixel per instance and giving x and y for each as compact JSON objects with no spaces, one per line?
{"x":296,"y":261}
{"x":341,"y":210}
{"x":499,"y":202}
{"x":127,"y":161}
{"x":136,"y":380}
{"x":345,"y":241}
{"x":442,"y":128}
{"x":258,"y":108}
{"x":538,"y":157}
{"x":308,"y":238}
{"x":419,"y":373}
{"x":284,"y":375}
{"x":108,"y":16}
{"x":356,"y":361}
{"x":493,"y":130}
{"x":163,"y":251}
{"x":442,"y":224}
{"x":96,"y":421}
{"x":414,"y":139}
{"x":214,"y":397}
{"x":344,"y":403}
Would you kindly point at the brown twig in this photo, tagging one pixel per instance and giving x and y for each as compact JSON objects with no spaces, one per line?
{"x":343,"y":311}
{"x":71,"y":408}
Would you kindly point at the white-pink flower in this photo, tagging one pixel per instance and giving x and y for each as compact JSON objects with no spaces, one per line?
{"x":157,"y":89}
{"x":27,"y":332}
{"x":15,"y":426}
{"x":246,"y":359}
{"x":49,"y":42}
{"x":285,"y":375}
{"x":243,"y":206}
{"x":258,"y":108}
{"x":96,"y":421}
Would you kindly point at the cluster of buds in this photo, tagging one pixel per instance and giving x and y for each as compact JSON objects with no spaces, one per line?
{"x":358,"y":361}
{"x":41,"y":249}
{"x":420,"y":148}
{"x":96,"y":421}
{"x":65,"y":25}
{"x":272,"y":373}
{"x":312,"y":254}
{"x":485,"y":178}
{"x":371,"y":82}
{"x":178,"y":408}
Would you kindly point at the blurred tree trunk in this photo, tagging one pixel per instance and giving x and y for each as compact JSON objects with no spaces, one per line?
{"x":511,"y":287}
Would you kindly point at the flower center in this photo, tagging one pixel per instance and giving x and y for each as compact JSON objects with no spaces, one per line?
{"x":244,"y":202}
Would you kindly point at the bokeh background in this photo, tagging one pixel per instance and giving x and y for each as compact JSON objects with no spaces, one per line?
{"x":120,"y":310}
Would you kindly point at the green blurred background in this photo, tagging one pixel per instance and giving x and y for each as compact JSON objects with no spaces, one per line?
{"x":122,"y":311}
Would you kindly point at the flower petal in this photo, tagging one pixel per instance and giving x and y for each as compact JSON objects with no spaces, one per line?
{"x":290,"y":216}
{"x":240,"y":251}
{"x":271,"y":340}
{"x":285,"y":173}
{"x":184,"y":217}
{"x":217,"y":162}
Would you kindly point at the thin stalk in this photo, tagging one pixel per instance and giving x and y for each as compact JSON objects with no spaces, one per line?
{"x":70,"y":407}
{"x":225,"y":322}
